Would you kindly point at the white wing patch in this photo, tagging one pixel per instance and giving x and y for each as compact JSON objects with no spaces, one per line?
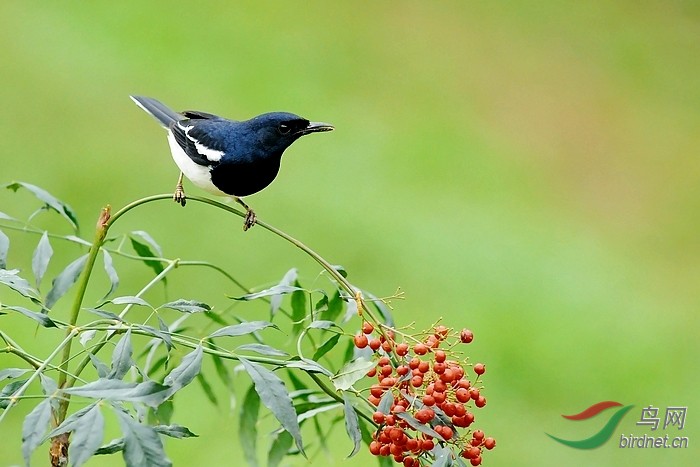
{"x":212,"y":155}
{"x":200,"y":175}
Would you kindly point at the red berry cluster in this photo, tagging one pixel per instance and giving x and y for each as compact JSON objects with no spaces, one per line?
{"x":430,"y":394}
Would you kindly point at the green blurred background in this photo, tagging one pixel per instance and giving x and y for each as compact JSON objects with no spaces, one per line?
{"x":525,"y":169}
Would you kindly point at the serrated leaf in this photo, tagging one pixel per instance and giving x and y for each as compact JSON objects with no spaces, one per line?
{"x":242,"y":329}
{"x":86,"y":336}
{"x":4,"y":247}
{"x":272,"y":291}
{"x":129,"y":300}
{"x":326,"y":347}
{"x":287,"y":280}
{"x":275,"y":397}
{"x":111,"y":273}
{"x":186,"y":371}
{"x":279,"y":448}
{"x":418,"y":425}
{"x":60,"y":207}
{"x":103,"y":313}
{"x":142,"y":445}
{"x":113,"y":446}
{"x":35,"y":425}
{"x":352,"y":424}
{"x":8,"y":391}
{"x":150,"y":393}
{"x":10,"y":373}
{"x":175,"y":431}
{"x":40,"y":318}
{"x":87,"y":436}
{"x":65,"y":280}
{"x":298,"y":309}
{"x":40,"y":258}
{"x":144,"y":246}
{"x":101,"y":368}
{"x":351,"y":373}
{"x":308,"y":366}
{"x":187,"y":306}
{"x":10,"y":278}
{"x":121,"y":357}
{"x":262,"y":349}
{"x":206,"y":387}
{"x":248,"y":426}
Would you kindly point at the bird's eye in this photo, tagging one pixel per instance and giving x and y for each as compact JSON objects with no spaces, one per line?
{"x":284,"y":129}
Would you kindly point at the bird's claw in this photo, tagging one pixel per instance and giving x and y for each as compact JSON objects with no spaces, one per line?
{"x":249,"y":220}
{"x":179,"y":196}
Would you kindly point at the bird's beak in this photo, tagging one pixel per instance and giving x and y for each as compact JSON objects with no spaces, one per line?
{"x":317,"y":127}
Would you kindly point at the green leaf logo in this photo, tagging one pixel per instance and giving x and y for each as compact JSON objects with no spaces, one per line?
{"x":604,"y":434}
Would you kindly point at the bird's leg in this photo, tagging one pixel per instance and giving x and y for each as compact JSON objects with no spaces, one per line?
{"x":179,"y":196}
{"x":249,"y":216}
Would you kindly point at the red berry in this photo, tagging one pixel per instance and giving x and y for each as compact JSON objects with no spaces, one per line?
{"x":376,"y":391}
{"x":432,"y":342}
{"x":462,"y":395}
{"x":439,"y":397}
{"x":373,"y":400}
{"x":408,"y":462}
{"x":441,"y":332}
{"x":464,"y":383}
{"x":412,"y":444}
{"x":372,"y":372}
{"x":427,"y":445}
{"x":390,"y":420}
{"x":374,"y":344}
{"x":428,"y":400}
{"x":466,"y":336}
{"x":385,"y":450}
{"x":387,"y":382}
{"x":387,"y":346}
{"x":420,"y":349}
{"x":423,"y":367}
{"x":360,"y":341}
{"x":440,"y":386}
{"x":474,"y":393}
{"x":378,"y":417}
{"x":367,"y":327}
{"x":402,"y":349}
{"x":447,"y":432}
{"x":480,"y":402}
{"x":489,"y":443}
{"x":475,"y":461}
{"x":478,"y":434}
{"x":417,"y":381}
{"x":479,"y":368}
{"x":447,"y":376}
{"x":439,"y":368}
{"x":449,"y":408}
{"x":374,"y":447}
{"x":460,"y":410}
{"x":402,"y":370}
{"x":440,"y":356}
{"x":413,"y":364}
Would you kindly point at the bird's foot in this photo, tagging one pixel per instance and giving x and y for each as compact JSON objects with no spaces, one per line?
{"x":179,"y":196}
{"x":249,"y":219}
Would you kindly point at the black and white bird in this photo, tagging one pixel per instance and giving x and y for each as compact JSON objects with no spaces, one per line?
{"x":228,"y":157}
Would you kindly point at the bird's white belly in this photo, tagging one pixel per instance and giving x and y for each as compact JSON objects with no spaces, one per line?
{"x":198,"y":174}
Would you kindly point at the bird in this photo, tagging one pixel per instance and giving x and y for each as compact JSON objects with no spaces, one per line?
{"x":228,"y":157}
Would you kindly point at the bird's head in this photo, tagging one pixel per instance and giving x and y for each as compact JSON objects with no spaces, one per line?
{"x":276,"y":131}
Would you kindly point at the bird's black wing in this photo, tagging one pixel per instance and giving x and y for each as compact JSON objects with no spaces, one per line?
{"x":194,"y":137}
{"x":196,"y":114}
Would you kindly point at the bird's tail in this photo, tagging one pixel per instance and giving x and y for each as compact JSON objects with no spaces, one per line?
{"x":158,"y":110}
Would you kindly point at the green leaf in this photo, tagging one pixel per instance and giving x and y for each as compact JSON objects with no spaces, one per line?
{"x":150,"y":393}
{"x":262,"y":349}
{"x":326,"y":347}
{"x":186,"y":371}
{"x":160,"y":334}
{"x":10,"y":278}
{"x":87,"y":436}
{"x":299,"y":309}
{"x":308,"y":366}
{"x":113,"y":446}
{"x":144,"y":246}
{"x":49,"y":387}
{"x":175,"y":431}
{"x":275,"y":291}
{"x":142,"y":445}
{"x":248,"y":426}
{"x":40,"y":318}
{"x":287,"y":280}
{"x":275,"y":397}
{"x":129,"y":300}
{"x":65,"y":280}
{"x":443,"y":456}
{"x":352,"y":424}
{"x":4,"y":246}
{"x":162,"y":414}
{"x":322,"y":324}
{"x":102,"y":370}
{"x":8,"y":391}
{"x":63,"y":209}
{"x":222,"y":372}
{"x":385,"y":403}
{"x":381,"y":308}
{"x":279,"y":448}
{"x":40,"y":258}
{"x":10,"y":373}
{"x":79,"y":240}
{"x":242,"y":329}
{"x":5,"y":216}
{"x":35,"y":425}
{"x":351,"y":373}
{"x":111,"y":273}
{"x":322,"y":304}
{"x":71,"y":422}
{"x":318,"y":408}
{"x":418,"y":425}
{"x":206,"y":387}
{"x":187,"y":306}
{"x":87,"y":336}
{"x":103,"y":313}
{"x":121,"y":357}
{"x":335,"y":307}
